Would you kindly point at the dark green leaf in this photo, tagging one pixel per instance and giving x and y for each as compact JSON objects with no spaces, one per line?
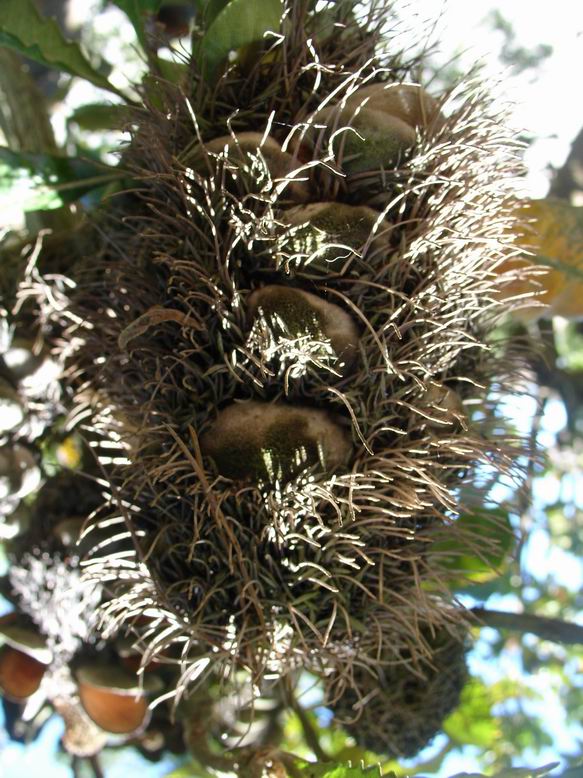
{"x":240,"y":23}
{"x":99,"y":116}
{"x":47,"y":181}
{"x":137,"y":12}
{"x":208,"y":10}
{"x":22,"y":28}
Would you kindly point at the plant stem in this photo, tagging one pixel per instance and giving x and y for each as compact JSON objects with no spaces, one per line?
{"x":309,"y":731}
{"x":559,"y":631}
{"x":96,"y":766}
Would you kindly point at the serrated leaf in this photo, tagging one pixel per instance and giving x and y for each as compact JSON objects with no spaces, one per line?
{"x":23,"y":29}
{"x":99,"y":116}
{"x":46,"y":181}
{"x":238,"y":24}
{"x":340,"y":770}
{"x":137,"y":11}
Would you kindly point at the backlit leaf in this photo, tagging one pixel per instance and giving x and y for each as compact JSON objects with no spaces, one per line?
{"x":240,"y":23}
{"x":23,"y":29}
{"x":46,"y":181}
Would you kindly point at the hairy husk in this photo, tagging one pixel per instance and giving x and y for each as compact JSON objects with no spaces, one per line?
{"x":403,"y":705}
{"x":316,"y":553}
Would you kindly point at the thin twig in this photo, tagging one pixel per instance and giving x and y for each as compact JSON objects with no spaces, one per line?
{"x":565,"y":632}
{"x":309,"y":731}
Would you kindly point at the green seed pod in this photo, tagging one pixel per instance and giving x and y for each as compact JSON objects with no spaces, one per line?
{"x":333,"y":237}
{"x":364,"y":140}
{"x":274,"y":443}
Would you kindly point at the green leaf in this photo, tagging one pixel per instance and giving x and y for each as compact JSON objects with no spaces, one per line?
{"x":490,"y":531}
{"x":137,"y":11}
{"x":472,"y":723}
{"x":99,"y":116}
{"x":208,"y":10}
{"x":47,"y":181}
{"x":340,"y":770}
{"x":240,"y":23}
{"x":22,"y":28}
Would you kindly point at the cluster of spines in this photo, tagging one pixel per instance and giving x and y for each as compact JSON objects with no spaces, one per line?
{"x":263,"y":562}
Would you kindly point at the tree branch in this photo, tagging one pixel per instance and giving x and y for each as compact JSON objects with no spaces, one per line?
{"x":558,"y":631}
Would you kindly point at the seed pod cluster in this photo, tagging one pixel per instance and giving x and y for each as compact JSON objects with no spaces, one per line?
{"x":286,"y":328}
{"x":404,"y":705}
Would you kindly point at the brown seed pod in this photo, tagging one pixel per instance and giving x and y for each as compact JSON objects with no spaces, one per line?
{"x":112,"y":697}
{"x":246,"y":150}
{"x":113,"y":712}
{"x":408,"y":102}
{"x":332,"y":237}
{"x":293,"y":318}
{"x":20,"y":674}
{"x":274,"y":443}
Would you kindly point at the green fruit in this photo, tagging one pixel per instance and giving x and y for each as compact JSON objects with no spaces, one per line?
{"x":254,"y":441}
{"x":365,"y":140}
{"x":299,"y":326}
{"x":333,"y":236}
